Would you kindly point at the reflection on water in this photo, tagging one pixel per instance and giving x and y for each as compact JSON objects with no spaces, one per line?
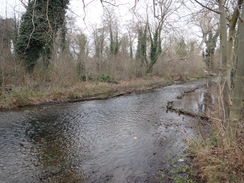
{"x":125,"y":139}
{"x":195,"y":102}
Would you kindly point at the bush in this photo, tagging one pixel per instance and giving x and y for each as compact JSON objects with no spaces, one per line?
{"x":85,"y":77}
{"x":106,"y":78}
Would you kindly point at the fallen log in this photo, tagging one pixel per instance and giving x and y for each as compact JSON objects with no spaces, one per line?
{"x":170,"y":108}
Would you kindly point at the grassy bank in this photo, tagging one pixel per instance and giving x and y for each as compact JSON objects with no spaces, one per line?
{"x":23,"y":96}
{"x":219,"y":158}
{"x":68,"y":79}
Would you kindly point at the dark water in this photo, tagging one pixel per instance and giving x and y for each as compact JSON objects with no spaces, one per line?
{"x":119,"y":140}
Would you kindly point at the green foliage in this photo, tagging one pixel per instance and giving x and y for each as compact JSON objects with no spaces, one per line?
{"x":99,"y":41}
{"x":155,"y":45}
{"x":156,"y":48}
{"x":82,"y":43}
{"x":179,"y":174}
{"x":141,"y":53}
{"x":85,"y":77}
{"x":38,"y":29}
{"x":210,"y":48}
{"x":213,"y":141}
{"x":114,"y":41}
{"x":106,"y":78}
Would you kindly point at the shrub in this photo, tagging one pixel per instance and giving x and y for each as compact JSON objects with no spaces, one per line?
{"x":106,"y":78}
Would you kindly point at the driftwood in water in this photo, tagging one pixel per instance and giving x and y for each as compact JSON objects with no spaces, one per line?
{"x":170,"y":107}
{"x":186,"y":92}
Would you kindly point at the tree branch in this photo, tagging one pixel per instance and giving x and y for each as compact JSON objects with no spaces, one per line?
{"x":25,"y":5}
{"x":33,"y":24}
{"x":215,"y":11}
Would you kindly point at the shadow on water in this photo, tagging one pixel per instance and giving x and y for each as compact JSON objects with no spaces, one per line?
{"x":54,"y":151}
{"x":124,"y":139}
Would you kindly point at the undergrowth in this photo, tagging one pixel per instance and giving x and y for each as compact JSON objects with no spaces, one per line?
{"x":220,"y":158}
{"x":107,"y":79}
{"x":26,"y":95}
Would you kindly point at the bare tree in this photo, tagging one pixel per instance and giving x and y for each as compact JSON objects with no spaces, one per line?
{"x":208,"y":23}
{"x":99,"y":35}
{"x":7,"y":29}
{"x":228,"y":21}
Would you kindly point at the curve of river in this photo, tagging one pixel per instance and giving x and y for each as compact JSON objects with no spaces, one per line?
{"x":119,"y":140}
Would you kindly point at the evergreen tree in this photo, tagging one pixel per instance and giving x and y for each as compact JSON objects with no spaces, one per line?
{"x":38,"y":29}
{"x":141,"y":53}
{"x":156,"y":49}
{"x":114,"y":39}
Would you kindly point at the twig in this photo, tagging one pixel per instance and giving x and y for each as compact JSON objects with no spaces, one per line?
{"x":215,"y":11}
{"x":33,"y":23}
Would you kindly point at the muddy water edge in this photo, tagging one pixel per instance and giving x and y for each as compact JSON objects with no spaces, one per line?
{"x":130,"y":138}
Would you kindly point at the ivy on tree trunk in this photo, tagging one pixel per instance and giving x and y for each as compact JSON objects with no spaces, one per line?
{"x":38,"y":29}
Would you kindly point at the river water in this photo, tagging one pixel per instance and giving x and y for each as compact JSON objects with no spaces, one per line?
{"x":127,"y":139}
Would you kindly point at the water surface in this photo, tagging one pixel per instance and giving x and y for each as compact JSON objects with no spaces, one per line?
{"x":125,"y":139}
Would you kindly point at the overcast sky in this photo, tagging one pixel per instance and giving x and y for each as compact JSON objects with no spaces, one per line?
{"x":84,"y":17}
{"x":8,"y":7}
{"x":92,"y":14}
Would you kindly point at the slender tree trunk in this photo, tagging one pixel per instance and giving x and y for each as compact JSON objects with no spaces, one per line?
{"x":210,"y":50}
{"x":223,"y":39}
{"x":232,"y":29}
{"x":224,"y":81}
{"x":231,"y":37}
{"x":236,"y":113}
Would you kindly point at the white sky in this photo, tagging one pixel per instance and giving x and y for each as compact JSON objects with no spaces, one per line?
{"x":84,"y":17}
{"x":93,"y":12}
{"x":8,"y":7}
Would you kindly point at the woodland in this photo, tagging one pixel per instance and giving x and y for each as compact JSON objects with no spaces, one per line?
{"x":45,"y":57}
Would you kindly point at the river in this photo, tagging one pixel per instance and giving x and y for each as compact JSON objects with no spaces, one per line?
{"x":128,"y":139}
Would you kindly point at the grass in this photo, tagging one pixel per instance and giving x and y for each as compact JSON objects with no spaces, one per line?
{"x":63,"y":81}
{"x":178,"y":172}
{"x":219,"y":163}
{"x":194,"y":78}
{"x":27,"y":96}
{"x":23,"y":96}
{"x":220,"y":158}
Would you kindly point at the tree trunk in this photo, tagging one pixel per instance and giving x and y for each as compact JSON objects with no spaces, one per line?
{"x":232,"y":29}
{"x":210,"y":50}
{"x":223,"y":39}
{"x":231,"y":37}
{"x":236,"y":113}
{"x":223,"y":61}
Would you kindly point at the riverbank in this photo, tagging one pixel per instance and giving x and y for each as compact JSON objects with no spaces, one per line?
{"x":125,"y":139}
{"x":218,"y":157}
{"x":90,"y":90}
